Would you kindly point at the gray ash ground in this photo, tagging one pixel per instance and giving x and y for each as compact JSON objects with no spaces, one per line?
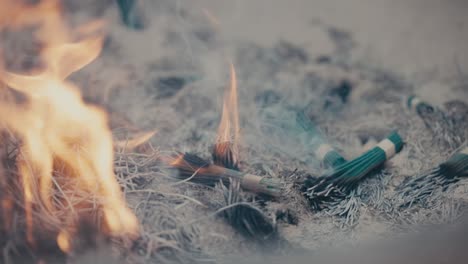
{"x":353,"y":102}
{"x":177,"y":89}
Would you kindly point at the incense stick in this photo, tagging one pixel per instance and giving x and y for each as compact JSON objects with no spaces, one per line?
{"x":419,"y":189}
{"x":201,"y":171}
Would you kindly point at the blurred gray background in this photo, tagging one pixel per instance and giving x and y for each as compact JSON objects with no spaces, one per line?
{"x":412,"y":35}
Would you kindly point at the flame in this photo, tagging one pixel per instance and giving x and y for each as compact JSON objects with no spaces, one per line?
{"x":228,"y":131}
{"x":63,"y":241}
{"x":137,"y":140}
{"x":56,"y":127}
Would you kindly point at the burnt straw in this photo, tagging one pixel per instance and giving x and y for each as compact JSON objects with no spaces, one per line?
{"x":245,"y":217}
{"x":419,"y":189}
{"x":322,"y":150}
{"x":200,"y":171}
{"x":224,"y":155}
{"x":334,"y":186}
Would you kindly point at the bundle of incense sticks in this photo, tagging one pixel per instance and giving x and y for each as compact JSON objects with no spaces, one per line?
{"x":337,"y":184}
{"x":196,"y":169}
{"x":418,"y":189}
{"x":322,"y":150}
{"x":436,"y":121}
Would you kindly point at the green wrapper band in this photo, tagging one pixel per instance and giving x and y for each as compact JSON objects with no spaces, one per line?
{"x":359,"y":167}
{"x":329,"y":155}
{"x":391,"y":145}
{"x":333,"y":158}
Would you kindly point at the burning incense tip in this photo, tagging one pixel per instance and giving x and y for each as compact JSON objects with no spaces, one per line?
{"x":226,"y":149}
{"x":224,"y":155}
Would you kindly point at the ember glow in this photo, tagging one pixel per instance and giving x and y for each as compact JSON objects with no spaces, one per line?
{"x":59,"y":133}
{"x":227,"y":141}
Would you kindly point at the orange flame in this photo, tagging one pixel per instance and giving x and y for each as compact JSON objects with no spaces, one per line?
{"x":55,"y":125}
{"x":228,"y":130}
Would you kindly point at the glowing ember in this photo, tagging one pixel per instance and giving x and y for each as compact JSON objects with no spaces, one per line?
{"x":228,"y":132}
{"x":58,"y":130}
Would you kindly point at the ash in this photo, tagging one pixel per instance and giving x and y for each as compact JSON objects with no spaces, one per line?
{"x":171,"y":75}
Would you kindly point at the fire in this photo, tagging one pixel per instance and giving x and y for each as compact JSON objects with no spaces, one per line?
{"x":57,"y":129}
{"x":228,"y":131}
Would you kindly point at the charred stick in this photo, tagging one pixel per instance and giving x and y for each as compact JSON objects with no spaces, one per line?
{"x":224,"y":155}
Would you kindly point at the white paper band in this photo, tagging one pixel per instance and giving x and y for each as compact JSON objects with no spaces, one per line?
{"x":387,"y":146}
{"x":464,"y":151}
{"x":251,"y":182}
{"x":322,"y":151}
{"x":414,"y":102}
